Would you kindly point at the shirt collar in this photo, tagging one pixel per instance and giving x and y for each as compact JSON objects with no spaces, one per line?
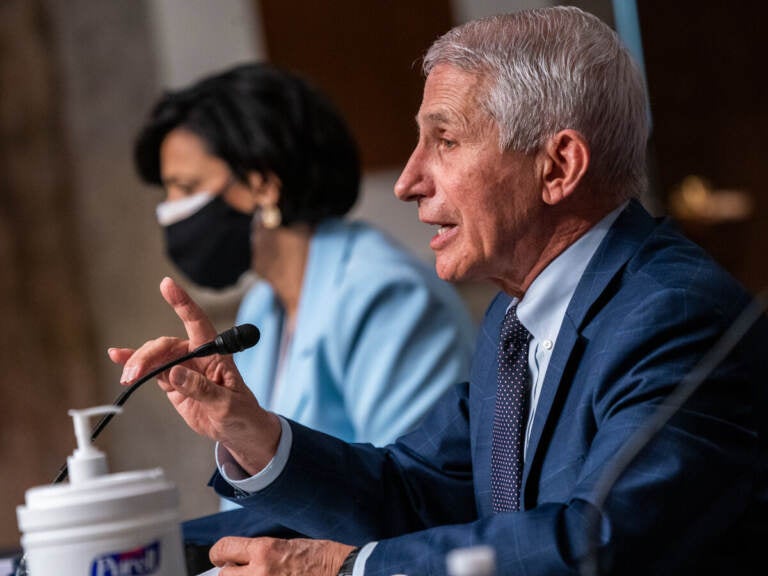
{"x":543,"y":306}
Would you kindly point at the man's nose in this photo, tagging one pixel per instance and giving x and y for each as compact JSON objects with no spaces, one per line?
{"x":412,"y":183}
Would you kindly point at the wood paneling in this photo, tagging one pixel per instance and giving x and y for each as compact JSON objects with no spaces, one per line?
{"x":46,"y":331}
{"x":366,"y":56}
{"x":704,"y":63}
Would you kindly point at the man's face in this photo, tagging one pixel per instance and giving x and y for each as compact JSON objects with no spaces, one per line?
{"x":483,"y":200}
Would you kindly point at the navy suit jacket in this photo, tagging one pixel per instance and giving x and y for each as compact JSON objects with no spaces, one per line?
{"x":649,"y":306}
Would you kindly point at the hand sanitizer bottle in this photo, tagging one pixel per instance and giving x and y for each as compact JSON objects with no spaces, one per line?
{"x":101,"y":524}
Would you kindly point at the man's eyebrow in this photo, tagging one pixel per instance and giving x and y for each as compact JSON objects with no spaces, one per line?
{"x":436,"y":117}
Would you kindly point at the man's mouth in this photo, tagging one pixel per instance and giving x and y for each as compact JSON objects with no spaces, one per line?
{"x":443,"y":236}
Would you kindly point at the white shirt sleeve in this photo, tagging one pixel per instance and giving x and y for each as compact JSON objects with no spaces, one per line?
{"x":359,"y":568}
{"x":238,"y":478}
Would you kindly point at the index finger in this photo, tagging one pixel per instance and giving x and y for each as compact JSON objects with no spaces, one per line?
{"x":198,"y":326}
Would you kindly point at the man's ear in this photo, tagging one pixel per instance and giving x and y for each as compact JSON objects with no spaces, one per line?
{"x":265,"y":189}
{"x":566,"y":159}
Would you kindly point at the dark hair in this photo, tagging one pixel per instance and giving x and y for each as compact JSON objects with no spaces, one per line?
{"x":256,"y":117}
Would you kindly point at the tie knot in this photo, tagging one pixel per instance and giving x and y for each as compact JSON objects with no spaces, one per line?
{"x":512,"y":330}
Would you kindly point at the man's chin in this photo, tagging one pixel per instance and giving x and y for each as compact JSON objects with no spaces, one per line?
{"x":449,"y":272}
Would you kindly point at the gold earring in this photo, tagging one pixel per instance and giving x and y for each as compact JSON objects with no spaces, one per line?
{"x":271,"y":217}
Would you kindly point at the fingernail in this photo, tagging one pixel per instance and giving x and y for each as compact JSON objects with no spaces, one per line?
{"x":129,"y":373}
{"x":179,"y":376}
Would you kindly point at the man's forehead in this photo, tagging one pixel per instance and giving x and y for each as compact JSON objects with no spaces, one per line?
{"x":447,"y":77}
{"x":452,"y":96}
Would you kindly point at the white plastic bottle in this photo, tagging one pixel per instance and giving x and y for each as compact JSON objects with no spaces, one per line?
{"x":471,"y":561}
{"x":101,"y":524}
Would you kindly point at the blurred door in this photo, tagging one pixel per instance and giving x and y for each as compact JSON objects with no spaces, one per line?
{"x":366,"y":57}
{"x":704,"y":62}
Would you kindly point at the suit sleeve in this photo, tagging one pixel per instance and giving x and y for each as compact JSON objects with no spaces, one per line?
{"x":357,"y":493}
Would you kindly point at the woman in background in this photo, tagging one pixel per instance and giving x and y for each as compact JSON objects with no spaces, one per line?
{"x":358,"y":336}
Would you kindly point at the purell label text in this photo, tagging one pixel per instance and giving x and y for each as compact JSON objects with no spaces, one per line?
{"x":138,"y":562}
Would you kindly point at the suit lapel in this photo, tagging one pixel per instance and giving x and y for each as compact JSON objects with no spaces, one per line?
{"x":631,"y":228}
{"x":327,"y":253}
{"x":258,"y":364}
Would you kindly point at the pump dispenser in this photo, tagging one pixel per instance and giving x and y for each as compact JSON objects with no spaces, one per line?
{"x":87,"y":461}
{"x":98,"y":523}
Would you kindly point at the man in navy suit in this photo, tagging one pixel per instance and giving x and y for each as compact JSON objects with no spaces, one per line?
{"x":529,"y":160}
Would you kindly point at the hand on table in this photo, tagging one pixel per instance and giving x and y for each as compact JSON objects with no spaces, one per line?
{"x":276,"y":557}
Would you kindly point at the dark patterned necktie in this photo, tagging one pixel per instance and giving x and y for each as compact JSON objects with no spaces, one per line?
{"x":511,"y":414}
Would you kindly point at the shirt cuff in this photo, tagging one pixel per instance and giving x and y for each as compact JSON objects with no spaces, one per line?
{"x":359,"y":568}
{"x":238,"y":478}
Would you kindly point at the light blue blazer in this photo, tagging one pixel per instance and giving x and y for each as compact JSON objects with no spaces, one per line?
{"x":378,"y":338}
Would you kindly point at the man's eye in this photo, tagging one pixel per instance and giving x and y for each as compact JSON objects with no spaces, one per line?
{"x":447,"y":144}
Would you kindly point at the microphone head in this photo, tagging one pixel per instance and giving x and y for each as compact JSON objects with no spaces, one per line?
{"x":237,"y":338}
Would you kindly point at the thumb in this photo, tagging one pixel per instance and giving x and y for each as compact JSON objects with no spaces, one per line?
{"x":192,"y":384}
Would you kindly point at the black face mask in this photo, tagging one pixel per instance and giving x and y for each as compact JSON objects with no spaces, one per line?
{"x":212,"y":247}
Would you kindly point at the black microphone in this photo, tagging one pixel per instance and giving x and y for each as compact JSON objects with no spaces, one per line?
{"x":235,"y":339}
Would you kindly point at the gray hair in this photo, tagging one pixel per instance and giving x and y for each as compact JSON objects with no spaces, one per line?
{"x":555,"y":68}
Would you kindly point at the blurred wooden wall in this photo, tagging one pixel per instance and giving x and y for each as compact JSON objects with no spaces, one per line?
{"x":704,"y":62}
{"x":46,"y":334}
{"x":367,"y":57}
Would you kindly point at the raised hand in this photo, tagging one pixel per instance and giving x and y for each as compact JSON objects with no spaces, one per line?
{"x":209,"y":392}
